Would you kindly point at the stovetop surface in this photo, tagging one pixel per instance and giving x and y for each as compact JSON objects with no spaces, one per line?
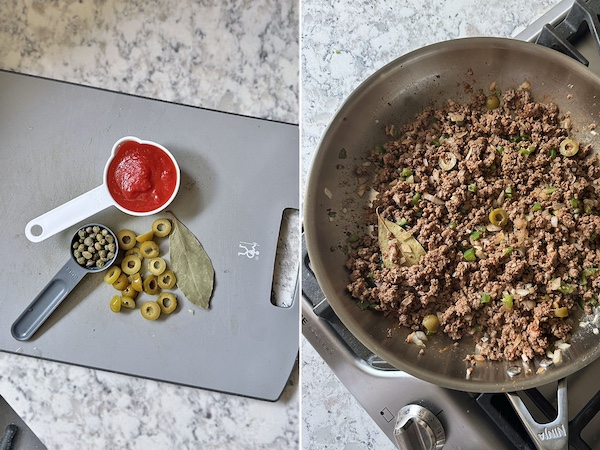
{"x":382,"y":390}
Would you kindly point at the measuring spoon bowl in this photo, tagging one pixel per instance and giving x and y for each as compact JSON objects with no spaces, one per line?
{"x":96,"y":200}
{"x":52,"y":295}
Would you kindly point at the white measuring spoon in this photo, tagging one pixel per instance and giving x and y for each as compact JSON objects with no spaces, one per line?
{"x":44,"y":304}
{"x":92,"y":202}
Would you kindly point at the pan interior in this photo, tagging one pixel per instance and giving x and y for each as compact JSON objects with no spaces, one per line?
{"x":334,"y":210}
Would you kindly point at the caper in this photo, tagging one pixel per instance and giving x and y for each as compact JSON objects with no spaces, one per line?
{"x":88,"y":241}
{"x":81,"y":260}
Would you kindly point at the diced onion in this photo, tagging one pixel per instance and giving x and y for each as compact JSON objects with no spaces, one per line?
{"x":433,"y":199}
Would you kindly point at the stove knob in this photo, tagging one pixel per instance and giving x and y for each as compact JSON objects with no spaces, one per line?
{"x":418,"y":428}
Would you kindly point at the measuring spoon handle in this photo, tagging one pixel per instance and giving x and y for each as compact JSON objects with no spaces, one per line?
{"x":68,"y":214}
{"x":47,"y":300}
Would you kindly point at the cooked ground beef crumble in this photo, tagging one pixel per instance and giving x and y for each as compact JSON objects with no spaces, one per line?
{"x":511,"y":286}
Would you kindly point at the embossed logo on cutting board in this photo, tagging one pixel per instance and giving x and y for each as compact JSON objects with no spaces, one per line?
{"x":249,"y":249}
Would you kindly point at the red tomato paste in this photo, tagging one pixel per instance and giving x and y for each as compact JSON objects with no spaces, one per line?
{"x":141,"y":177}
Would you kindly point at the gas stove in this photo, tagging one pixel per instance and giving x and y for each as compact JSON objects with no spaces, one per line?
{"x":415,"y":414}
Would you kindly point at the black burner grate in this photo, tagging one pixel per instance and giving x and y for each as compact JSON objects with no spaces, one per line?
{"x":582,"y":17}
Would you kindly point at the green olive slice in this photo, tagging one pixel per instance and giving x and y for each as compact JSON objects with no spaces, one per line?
{"x":568,"y":147}
{"x":150,"y":310}
{"x":121,"y":283}
{"x":149,"y":249}
{"x":161,"y":227}
{"x":157,"y":266}
{"x":150,"y":285}
{"x":167,"y":302}
{"x":115,"y":303}
{"x":498,"y":217}
{"x":126,"y":239}
{"x":134,"y":251}
{"x":167,"y":279}
{"x":112,"y":274}
{"x":129,"y":291}
{"x":127,"y":302}
{"x":131,"y":264}
{"x":137,"y":282}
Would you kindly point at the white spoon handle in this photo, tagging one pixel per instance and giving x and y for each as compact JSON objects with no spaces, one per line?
{"x":68,"y":214}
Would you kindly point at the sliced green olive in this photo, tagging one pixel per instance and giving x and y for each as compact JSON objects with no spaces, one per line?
{"x":492,"y":102}
{"x":167,"y":279}
{"x":129,"y":291}
{"x":128,"y":302}
{"x":447,"y":161}
{"x":115,"y":303}
{"x":431,"y":323}
{"x":121,"y":283}
{"x":150,"y":310}
{"x":561,"y":312}
{"x":157,"y":266}
{"x":498,"y":217}
{"x":112,"y":274}
{"x":134,"y":251}
{"x":145,"y":237}
{"x":131,"y":264}
{"x":126,"y":239}
{"x":167,"y":302}
{"x":149,"y":249}
{"x":137,"y":282}
{"x":151,"y":286}
{"x":568,"y":147}
{"x":161,"y":227}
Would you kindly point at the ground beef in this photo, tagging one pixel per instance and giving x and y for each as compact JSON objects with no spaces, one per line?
{"x":527,"y":274}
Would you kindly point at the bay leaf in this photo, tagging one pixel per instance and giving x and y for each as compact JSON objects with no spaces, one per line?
{"x":403,"y":242}
{"x":192,"y":265}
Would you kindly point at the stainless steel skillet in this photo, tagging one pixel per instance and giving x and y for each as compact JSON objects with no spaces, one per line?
{"x":394,"y":94}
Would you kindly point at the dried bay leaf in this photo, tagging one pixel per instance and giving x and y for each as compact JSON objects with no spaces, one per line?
{"x":194,"y":269}
{"x":403,"y":242}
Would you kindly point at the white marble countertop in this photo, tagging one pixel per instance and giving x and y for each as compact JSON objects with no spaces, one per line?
{"x":342,"y":43}
{"x":218,"y":54}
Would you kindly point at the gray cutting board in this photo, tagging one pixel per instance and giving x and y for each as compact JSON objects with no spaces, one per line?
{"x":239,"y":174}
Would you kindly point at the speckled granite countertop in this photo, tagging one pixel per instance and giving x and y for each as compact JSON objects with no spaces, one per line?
{"x":342,"y":43}
{"x":239,"y":57}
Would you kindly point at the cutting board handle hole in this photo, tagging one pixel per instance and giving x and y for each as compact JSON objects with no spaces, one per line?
{"x":287,"y":257}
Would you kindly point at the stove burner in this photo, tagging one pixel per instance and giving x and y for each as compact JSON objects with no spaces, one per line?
{"x":561,"y":36}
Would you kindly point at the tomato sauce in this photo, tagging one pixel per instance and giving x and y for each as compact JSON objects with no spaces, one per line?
{"x":141,"y":177}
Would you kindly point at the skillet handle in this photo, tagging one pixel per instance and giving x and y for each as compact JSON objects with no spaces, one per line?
{"x":547,"y":436}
